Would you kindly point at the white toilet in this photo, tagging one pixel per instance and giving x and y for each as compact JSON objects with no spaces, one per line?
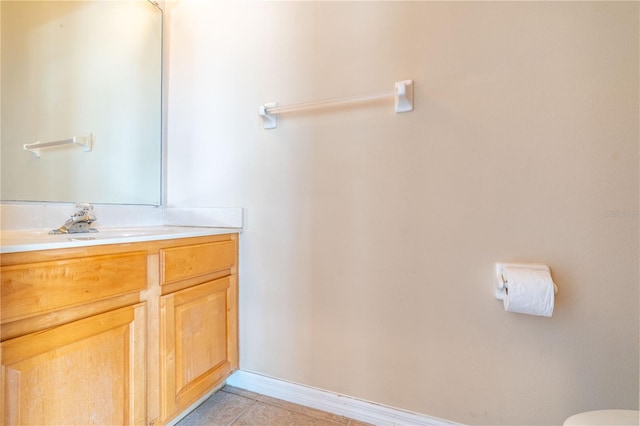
{"x":605,"y":418}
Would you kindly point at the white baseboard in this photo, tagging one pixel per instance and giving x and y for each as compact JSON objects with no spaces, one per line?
{"x":343,"y":405}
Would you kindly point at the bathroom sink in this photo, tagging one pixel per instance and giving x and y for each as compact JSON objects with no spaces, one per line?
{"x":112,"y":233}
{"x":127,"y":232}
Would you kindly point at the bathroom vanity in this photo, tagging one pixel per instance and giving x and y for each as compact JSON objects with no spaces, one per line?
{"x":132,"y":329}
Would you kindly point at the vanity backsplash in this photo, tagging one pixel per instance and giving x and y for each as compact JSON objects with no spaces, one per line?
{"x":41,"y":216}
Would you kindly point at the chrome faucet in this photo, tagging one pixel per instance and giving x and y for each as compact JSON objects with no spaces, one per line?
{"x":80,"y":221}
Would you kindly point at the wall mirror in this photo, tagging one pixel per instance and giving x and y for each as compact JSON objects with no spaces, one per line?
{"x":83,"y":69}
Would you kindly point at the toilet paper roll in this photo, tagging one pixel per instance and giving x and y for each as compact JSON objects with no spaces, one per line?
{"x":529,"y":291}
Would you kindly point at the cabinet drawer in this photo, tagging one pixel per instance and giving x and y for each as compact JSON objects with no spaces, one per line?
{"x":201,"y":260}
{"x":35,"y":288}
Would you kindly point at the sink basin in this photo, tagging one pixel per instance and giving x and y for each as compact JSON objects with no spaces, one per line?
{"x":38,"y":236}
{"x":129,"y":232}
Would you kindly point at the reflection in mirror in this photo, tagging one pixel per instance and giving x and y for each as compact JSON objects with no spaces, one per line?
{"x":78,"y":68}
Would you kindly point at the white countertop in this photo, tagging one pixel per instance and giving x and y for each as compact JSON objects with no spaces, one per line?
{"x":30,"y":240}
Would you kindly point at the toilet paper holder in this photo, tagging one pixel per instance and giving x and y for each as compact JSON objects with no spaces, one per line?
{"x":501,"y":283}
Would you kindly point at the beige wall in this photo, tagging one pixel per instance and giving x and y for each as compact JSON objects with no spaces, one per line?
{"x":371,"y":237}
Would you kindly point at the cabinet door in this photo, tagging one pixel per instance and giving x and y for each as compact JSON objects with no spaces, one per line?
{"x":87,"y":372}
{"x":198,"y":342}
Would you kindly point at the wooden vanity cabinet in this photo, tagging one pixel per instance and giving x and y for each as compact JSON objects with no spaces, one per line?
{"x":73,"y":344}
{"x":116,"y":334}
{"x":87,"y":372}
{"x":198,"y":322}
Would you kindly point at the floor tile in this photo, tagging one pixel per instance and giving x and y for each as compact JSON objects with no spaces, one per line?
{"x":357,"y":423}
{"x":322,"y":415}
{"x":238,"y":407}
{"x":268,"y":415}
{"x":241,"y":392}
{"x":222,"y":409}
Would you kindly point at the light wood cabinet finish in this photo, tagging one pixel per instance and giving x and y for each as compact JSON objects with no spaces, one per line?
{"x":116,"y":334}
{"x":37,"y":288}
{"x":198,"y":262}
{"x":198,"y":324}
{"x":87,"y":372}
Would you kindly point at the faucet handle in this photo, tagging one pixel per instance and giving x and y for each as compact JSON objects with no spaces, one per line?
{"x":82,"y":209}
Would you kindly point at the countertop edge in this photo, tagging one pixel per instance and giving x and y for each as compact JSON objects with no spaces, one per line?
{"x":34,"y":240}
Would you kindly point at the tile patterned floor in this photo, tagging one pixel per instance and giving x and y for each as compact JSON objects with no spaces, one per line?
{"x":238,"y":407}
